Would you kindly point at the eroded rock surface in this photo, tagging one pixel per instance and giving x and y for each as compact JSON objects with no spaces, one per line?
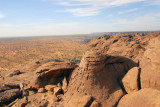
{"x":131,"y":80}
{"x":150,"y":74}
{"x":9,"y":95}
{"x":112,"y":66}
{"x":51,"y":73}
{"x":99,"y":75}
{"x":79,"y":100}
{"x":143,"y":98}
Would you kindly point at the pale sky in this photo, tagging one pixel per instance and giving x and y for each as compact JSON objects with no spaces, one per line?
{"x":63,"y":17}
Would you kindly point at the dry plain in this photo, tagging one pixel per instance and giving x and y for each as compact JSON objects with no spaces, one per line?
{"x":20,"y":51}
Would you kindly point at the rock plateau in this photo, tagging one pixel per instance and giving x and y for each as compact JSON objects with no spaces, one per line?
{"x":116,"y":71}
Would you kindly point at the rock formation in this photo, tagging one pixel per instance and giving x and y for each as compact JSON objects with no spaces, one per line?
{"x":51,"y":73}
{"x":131,"y":81}
{"x":150,"y":74}
{"x":117,"y":71}
{"x":99,"y":76}
{"x":143,"y":98}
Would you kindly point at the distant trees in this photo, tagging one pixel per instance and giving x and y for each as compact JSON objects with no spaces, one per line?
{"x":86,"y":41}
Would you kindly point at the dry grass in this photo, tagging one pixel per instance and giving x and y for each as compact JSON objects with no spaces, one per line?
{"x":15,"y":52}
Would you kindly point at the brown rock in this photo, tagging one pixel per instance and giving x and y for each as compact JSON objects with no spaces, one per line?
{"x":9,"y":95}
{"x":95,"y":104}
{"x":143,"y":98}
{"x":150,"y":69}
{"x":58,"y":90}
{"x":41,"y":90}
{"x":11,"y":86}
{"x":99,"y":75}
{"x":59,"y":85}
{"x":79,"y":100}
{"x":51,"y":73}
{"x":20,"y":102}
{"x":31,"y":92}
{"x":125,"y":45}
{"x":24,"y":77}
{"x":50,"y":87}
{"x":4,"y":88}
{"x":36,"y":100}
{"x":51,"y":98}
{"x":64,"y":84}
{"x":131,"y":80}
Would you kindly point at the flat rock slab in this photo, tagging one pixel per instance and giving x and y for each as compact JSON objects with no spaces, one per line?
{"x":9,"y":95}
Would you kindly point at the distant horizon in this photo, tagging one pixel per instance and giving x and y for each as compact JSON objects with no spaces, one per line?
{"x":68,"y":35}
{"x":66,"y":17}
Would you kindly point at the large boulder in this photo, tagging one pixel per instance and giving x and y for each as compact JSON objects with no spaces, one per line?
{"x":99,"y":76}
{"x":143,"y":98}
{"x":150,"y":74}
{"x":131,"y":80}
{"x":51,"y":73}
{"x":9,"y":95}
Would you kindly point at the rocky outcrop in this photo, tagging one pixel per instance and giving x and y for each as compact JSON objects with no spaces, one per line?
{"x":9,"y":95}
{"x":36,"y":100}
{"x":143,"y":98}
{"x":150,"y":74}
{"x":99,"y":76}
{"x":149,"y":95}
{"x":120,"y":70}
{"x":131,"y":80}
{"x":124,"y":45}
{"x":8,"y":87}
{"x":51,"y":73}
{"x":23,"y":75}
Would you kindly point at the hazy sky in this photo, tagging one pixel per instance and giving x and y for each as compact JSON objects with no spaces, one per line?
{"x":58,"y":17}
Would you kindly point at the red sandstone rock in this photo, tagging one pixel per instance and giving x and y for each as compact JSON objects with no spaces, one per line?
{"x":131,"y":80}
{"x":150,"y":65}
{"x":143,"y":98}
